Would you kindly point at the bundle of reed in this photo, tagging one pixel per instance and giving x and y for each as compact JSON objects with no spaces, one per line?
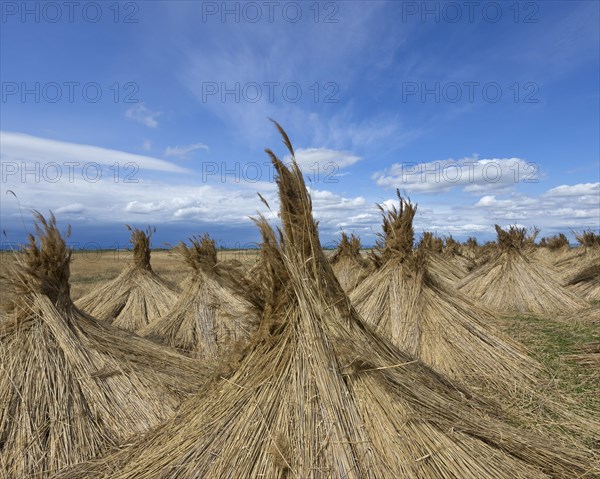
{"x":555,"y":243}
{"x":442,"y":266}
{"x":431,"y":242}
{"x":585,"y":283}
{"x":486,"y":252}
{"x":588,"y":239}
{"x":422,"y":315}
{"x":137,"y":296}
{"x":471,"y":246}
{"x":348,"y":264}
{"x":552,"y":249}
{"x":213,"y":312}
{"x":72,"y":386}
{"x":472,"y":251}
{"x":588,"y":251}
{"x":514,"y":282}
{"x":453,"y":250}
{"x":317,"y":393}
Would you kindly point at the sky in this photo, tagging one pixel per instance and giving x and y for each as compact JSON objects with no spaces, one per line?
{"x":157,"y":113}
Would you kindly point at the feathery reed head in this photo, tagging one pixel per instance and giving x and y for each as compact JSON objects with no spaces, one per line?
{"x":349,"y":246}
{"x":271,"y":273}
{"x":43,"y":267}
{"x":588,"y":238}
{"x":141,"y":246}
{"x":511,"y":239}
{"x":452,"y":246}
{"x":431,"y":243}
{"x":299,"y":228}
{"x":555,"y":242}
{"x":398,"y":235}
{"x":201,"y":255}
{"x":471,"y":243}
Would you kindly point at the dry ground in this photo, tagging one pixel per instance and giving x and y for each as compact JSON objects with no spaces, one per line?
{"x":92,"y":268}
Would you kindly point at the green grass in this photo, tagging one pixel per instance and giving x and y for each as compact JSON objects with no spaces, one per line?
{"x":550,"y":341}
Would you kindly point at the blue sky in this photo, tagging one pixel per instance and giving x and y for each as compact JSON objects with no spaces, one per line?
{"x":478,"y":121}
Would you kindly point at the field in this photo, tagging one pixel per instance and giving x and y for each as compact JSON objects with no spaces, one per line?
{"x":90,"y":269}
{"x":548,"y":340}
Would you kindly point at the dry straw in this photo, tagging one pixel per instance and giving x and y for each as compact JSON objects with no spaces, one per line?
{"x":443,"y":264}
{"x":471,"y":251}
{"x":552,"y":249}
{"x":586,"y":282}
{"x":512,"y":281}
{"x":137,"y":296}
{"x":318,"y":394}
{"x":588,"y":355}
{"x":348,"y":264}
{"x":423,"y":316}
{"x":71,"y":386}
{"x":589,"y":316}
{"x":555,"y":243}
{"x":453,"y":251}
{"x":212,"y":314}
{"x":588,"y":239}
{"x":586,"y":253}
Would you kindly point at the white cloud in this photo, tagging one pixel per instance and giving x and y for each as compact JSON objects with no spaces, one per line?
{"x":147,"y":145}
{"x":472,"y":175}
{"x":74,"y":208}
{"x":144,"y":208}
{"x":21,"y":149}
{"x":326,"y":201}
{"x":140,"y":113}
{"x":182,"y":151}
{"x":369,"y":220}
{"x":565,"y":206}
{"x":582,"y":189}
{"x":491,"y":201}
{"x":307,"y":158}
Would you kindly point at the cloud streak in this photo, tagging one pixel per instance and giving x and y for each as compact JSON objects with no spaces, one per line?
{"x":181,"y":152}
{"x":19,"y":148}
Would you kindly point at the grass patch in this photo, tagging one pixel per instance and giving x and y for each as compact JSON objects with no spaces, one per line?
{"x":550,"y":341}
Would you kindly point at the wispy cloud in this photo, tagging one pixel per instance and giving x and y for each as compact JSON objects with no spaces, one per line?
{"x":323,"y":159}
{"x":72,"y":209}
{"x":581,"y":190}
{"x":21,"y":149}
{"x":181,"y":152}
{"x":140,"y":113}
{"x":324,"y":81}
